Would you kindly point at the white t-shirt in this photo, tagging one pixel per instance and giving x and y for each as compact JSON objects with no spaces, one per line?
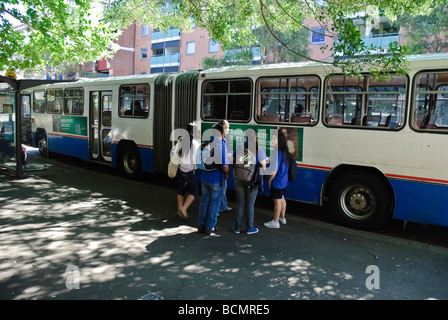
{"x":187,"y":162}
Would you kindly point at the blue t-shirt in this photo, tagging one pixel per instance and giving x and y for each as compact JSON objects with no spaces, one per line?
{"x":280,"y":180}
{"x":213,"y":176}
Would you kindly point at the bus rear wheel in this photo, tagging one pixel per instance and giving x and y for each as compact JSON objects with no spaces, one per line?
{"x":129,"y":162}
{"x":360,"y":200}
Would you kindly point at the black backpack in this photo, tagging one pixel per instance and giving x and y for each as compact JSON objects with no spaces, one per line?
{"x":204,"y":156}
{"x":292,"y":170}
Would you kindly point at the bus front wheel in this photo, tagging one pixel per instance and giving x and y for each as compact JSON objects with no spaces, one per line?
{"x":360,"y":200}
{"x":42,"y":144}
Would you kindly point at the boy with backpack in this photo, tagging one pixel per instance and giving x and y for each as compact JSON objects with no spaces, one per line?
{"x":215,"y":170}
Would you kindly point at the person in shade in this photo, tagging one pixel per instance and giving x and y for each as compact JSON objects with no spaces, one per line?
{"x":278,"y":180}
{"x":212,"y":182}
{"x":186,"y":173}
{"x":246,"y":192}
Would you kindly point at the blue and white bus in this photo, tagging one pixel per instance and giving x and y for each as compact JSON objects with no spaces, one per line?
{"x":372,"y":150}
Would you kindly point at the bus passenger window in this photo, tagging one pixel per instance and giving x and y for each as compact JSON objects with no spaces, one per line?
{"x":134,"y":101}
{"x":73,"y":102}
{"x":54,"y":101}
{"x":430,"y":107}
{"x":288,"y":99}
{"x":365,"y":102}
{"x":226,"y":99}
{"x":39,"y":101}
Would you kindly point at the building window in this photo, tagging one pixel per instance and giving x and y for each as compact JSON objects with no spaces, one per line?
{"x":191,"y":47}
{"x":143,"y":53}
{"x":144,"y":31}
{"x":317,"y":35}
{"x":213,"y":46}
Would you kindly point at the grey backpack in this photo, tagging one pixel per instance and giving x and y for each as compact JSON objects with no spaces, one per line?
{"x":244,"y":165}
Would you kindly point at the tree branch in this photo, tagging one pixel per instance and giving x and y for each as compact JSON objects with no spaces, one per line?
{"x":262,"y":5}
{"x":17,"y":18}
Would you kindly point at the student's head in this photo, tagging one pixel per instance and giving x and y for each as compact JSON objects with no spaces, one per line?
{"x":279,"y":140}
{"x":225,"y":125}
{"x":191,"y":128}
{"x":219,"y":130}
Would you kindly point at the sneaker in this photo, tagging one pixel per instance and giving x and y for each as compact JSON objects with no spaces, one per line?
{"x":272,"y":224}
{"x":282,"y":220}
{"x":252,"y":231}
{"x":236,"y":231}
{"x":208,"y":230}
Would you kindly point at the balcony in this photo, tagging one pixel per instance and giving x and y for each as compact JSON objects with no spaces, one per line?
{"x":165,"y":60}
{"x":380,"y":41}
{"x":163,"y":36}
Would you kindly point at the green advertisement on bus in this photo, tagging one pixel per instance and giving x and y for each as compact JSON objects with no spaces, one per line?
{"x":236,"y":137}
{"x":70,"y":125}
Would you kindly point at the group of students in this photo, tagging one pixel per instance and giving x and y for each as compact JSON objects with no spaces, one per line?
{"x":213,"y":183}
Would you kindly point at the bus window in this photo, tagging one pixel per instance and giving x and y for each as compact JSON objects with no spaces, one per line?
{"x":363,"y":101}
{"x":227,"y":99}
{"x":134,"y":101}
{"x":107,"y":111}
{"x":74,"y":102}
{"x":39,"y":101}
{"x":288,"y":99}
{"x":55,"y":98}
{"x":430,"y":106}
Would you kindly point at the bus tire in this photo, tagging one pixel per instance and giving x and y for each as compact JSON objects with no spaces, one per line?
{"x":360,"y":200}
{"x":42,"y":144}
{"x":129,"y":162}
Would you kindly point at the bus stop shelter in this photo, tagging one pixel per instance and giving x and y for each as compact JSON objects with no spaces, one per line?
{"x":11,"y":110}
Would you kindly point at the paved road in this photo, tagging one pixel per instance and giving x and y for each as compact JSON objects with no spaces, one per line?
{"x":125,"y":240}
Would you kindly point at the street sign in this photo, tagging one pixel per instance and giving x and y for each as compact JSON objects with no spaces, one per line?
{"x":11,"y":74}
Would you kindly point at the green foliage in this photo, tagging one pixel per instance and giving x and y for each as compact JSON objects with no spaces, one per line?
{"x":232,"y":23}
{"x":429,"y":32}
{"x":54,"y":32}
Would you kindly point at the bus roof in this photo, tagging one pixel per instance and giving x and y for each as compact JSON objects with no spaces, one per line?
{"x":327,"y":65}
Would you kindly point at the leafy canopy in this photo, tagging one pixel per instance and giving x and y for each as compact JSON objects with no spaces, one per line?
{"x":54,"y":31}
{"x":231,"y":22}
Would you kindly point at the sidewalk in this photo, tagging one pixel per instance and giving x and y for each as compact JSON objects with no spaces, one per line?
{"x":126,"y":240}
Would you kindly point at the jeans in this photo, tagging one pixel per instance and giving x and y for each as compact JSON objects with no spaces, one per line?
{"x":245,"y":201}
{"x":208,"y":207}
{"x":223,"y":203}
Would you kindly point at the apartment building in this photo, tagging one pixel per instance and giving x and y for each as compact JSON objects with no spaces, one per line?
{"x":144,"y":50}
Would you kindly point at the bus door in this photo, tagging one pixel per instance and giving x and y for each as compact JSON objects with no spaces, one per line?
{"x":100,"y":125}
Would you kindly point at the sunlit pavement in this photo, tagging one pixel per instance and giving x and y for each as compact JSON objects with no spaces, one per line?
{"x":80,"y":233}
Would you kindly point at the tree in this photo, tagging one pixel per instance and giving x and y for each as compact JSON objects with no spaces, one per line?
{"x":54,"y":31}
{"x":429,"y":33}
{"x":231,"y":23}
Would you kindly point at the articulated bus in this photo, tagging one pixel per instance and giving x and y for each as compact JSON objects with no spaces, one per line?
{"x":372,"y":150}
